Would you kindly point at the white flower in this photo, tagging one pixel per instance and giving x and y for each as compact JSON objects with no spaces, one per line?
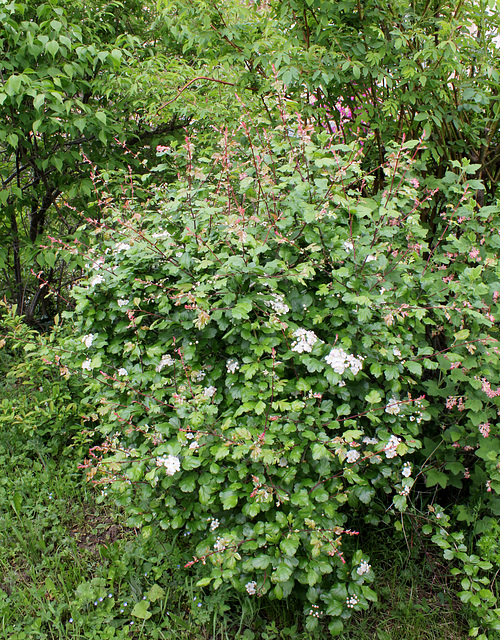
{"x":368,"y":440}
{"x":194,"y":445}
{"x":339,"y":360}
{"x":396,"y":352}
{"x":121,"y":246}
{"x":364,"y":567}
{"x":305,"y":340}
{"x":220,"y":544}
{"x":122,"y":302}
{"x":351,"y":602}
{"x":161,"y":234}
{"x":232,"y":366}
{"x":370,"y":258}
{"x":406,"y":472}
{"x":393,"y":407}
{"x":355,"y":364}
{"x":278,"y":304}
{"x":214,"y":524}
{"x":166,"y":361}
{"x":122,"y":371}
{"x":171,"y":464}
{"x":87,"y":365}
{"x":347,"y":246}
{"x":209,"y":392}
{"x":391,"y":446}
{"x":96,"y":280}
{"x":250,"y":587}
{"x":352,"y":455}
{"x":198,"y":375}
{"x":89,"y":339}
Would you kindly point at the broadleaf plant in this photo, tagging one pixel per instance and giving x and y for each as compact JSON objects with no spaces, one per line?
{"x":274,"y":355}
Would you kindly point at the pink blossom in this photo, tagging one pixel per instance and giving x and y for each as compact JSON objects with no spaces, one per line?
{"x":486,"y":387}
{"x":473,"y":253}
{"x":484,"y":429}
{"x":451,"y":402}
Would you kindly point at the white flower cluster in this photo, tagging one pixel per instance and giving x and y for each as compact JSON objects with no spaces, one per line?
{"x":339,"y":360}
{"x":220,"y":544}
{"x":122,"y":302}
{"x":161,"y":234}
{"x":166,"y":361}
{"x":368,"y":440}
{"x":304,"y":341}
{"x":232,"y":366}
{"x":171,"y":464}
{"x":198,"y":375}
{"x":391,"y":446}
{"x":87,"y":365}
{"x":251,"y":588}
{"x":209,"y":392}
{"x":352,"y":456}
{"x":347,"y":246}
{"x":96,"y":280}
{"x":214,"y":524}
{"x":351,"y":602}
{"x":89,"y":339}
{"x":122,"y":371}
{"x":364,"y":567}
{"x":406,"y":471}
{"x":393,"y":407}
{"x":121,"y":246}
{"x":278,"y":304}
{"x":314,"y":611}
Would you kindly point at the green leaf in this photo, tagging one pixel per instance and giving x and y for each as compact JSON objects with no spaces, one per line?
{"x":140,"y":610}
{"x":414,"y":367}
{"x":290,"y":545}
{"x":101,"y":116}
{"x":13,"y":140}
{"x":52,"y":47}
{"x":259,"y":408}
{"x":336,"y":626}
{"x":241,"y":310}
{"x":282,"y":573}
{"x":434,"y":477}
{"x":39,"y":100}
{"x":400,"y":502}
{"x":229,"y":499}
{"x":155,"y":593}
{"x":373,"y":397}
{"x":13,"y":85}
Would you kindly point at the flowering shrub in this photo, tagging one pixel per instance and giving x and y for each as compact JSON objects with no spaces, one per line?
{"x":271,"y":353}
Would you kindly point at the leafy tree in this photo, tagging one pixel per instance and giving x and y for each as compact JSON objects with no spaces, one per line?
{"x":67,"y":113}
{"x":379,"y":70}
